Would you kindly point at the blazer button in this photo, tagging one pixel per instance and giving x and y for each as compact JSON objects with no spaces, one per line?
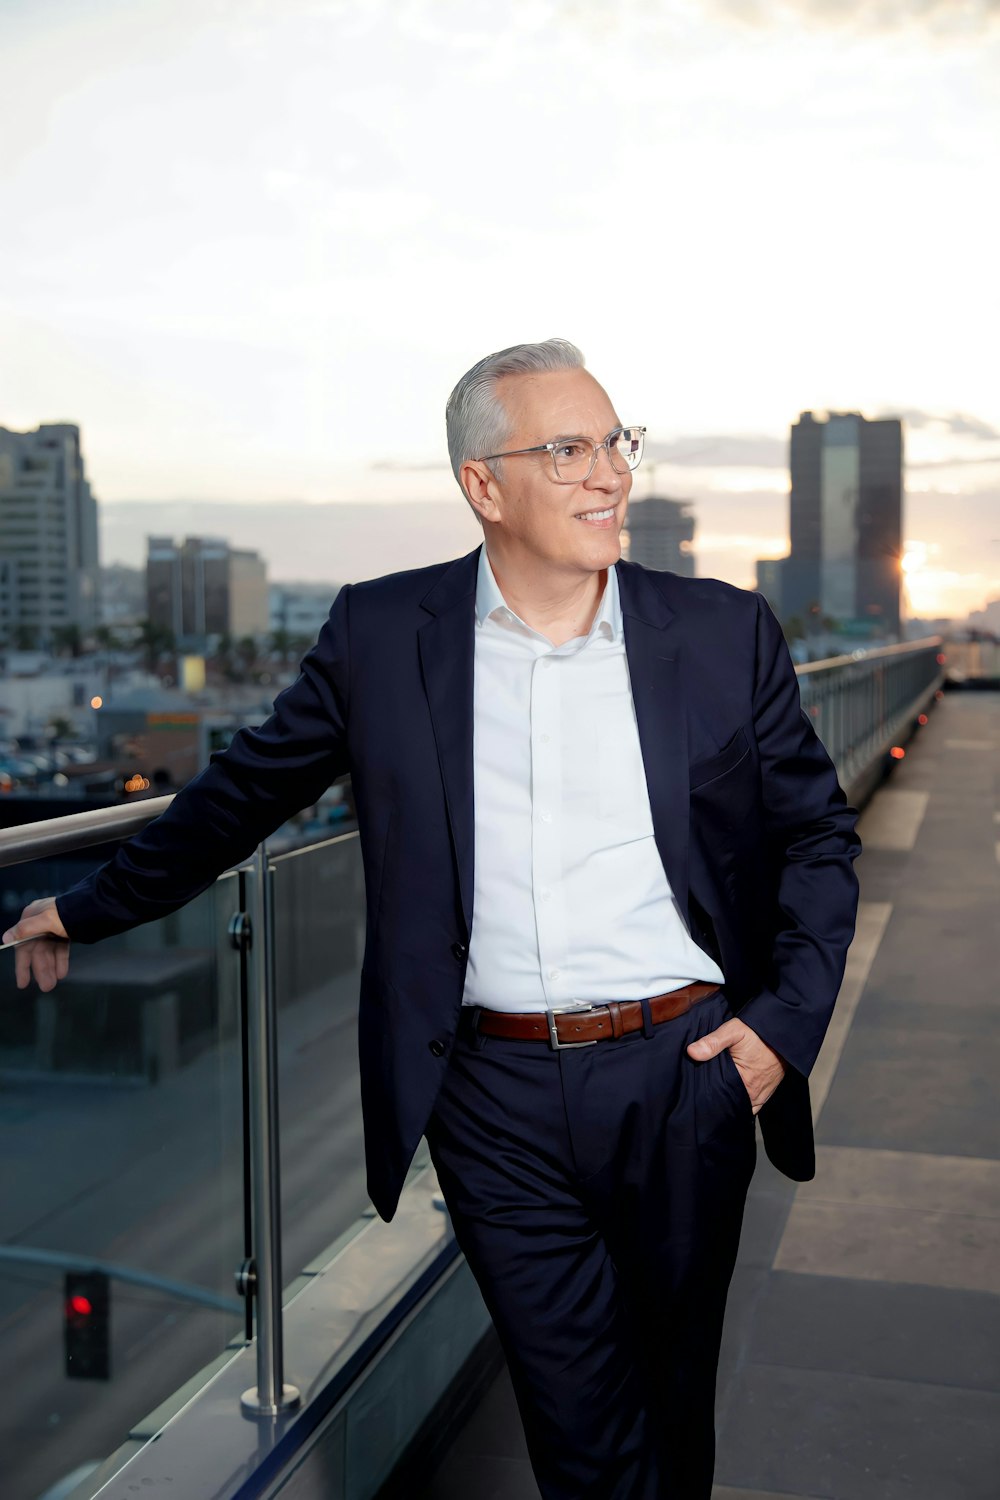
{"x":459,"y":952}
{"x":438,"y":1048}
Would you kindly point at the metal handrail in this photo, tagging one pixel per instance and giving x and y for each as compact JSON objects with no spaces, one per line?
{"x":862,"y":706}
{"x":902,"y":648}
{"x":62,"y":835}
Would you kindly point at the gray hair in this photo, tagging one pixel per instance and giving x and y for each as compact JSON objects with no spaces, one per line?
{"x":476,"y":418}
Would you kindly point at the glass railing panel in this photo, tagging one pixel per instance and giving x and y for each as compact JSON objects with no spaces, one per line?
{"x":121,"y":1145}
{"x":319,"y":931}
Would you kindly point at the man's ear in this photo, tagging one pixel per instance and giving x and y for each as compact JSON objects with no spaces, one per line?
{"x":481,"y":489}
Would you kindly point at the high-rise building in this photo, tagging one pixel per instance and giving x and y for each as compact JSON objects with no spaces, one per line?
{"x":203,"y":587}
{"x":660,"y":533}
{"x":249,"y":604}
{"x":845,"y":523}
{"x":49,"y":574}
{"x":769,"y":571}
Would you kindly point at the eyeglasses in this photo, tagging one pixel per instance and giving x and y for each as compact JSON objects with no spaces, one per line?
{"x":574,"y":458}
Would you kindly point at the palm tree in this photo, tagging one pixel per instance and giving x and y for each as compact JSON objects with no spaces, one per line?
{"x":60,"y":728}
{"x":281,"y":643}
{"x":67,"y":638}
{"x":246,"y":648}
{"x":156,"y":640}
{"x":105,"y":637}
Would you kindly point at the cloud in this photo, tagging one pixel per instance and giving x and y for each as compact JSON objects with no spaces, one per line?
{"x":958,"y":422}
{"x":953,"y":463}
{"x":758,"y":451}
{"x":704,"y":451}
{"x":721,"y":452}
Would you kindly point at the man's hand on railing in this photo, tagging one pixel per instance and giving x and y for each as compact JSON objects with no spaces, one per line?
{"x":47,"y":954}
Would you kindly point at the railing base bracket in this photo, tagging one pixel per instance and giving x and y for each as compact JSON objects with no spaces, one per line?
{"x":251,"y":1402}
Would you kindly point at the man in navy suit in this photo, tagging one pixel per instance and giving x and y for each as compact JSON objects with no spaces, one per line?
{"x":609,"y":898}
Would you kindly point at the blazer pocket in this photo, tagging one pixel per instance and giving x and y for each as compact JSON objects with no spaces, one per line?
{"x":726,"y":759}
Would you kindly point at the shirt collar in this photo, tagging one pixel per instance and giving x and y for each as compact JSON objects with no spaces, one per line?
{"x":491,"y":605}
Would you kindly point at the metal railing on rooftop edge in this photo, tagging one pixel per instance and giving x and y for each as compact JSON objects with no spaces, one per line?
{"x":860,"y":706}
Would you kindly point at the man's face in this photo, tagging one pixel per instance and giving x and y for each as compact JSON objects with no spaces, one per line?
{"x":571,"y":526}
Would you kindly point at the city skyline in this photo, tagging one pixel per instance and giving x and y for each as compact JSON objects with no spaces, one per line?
{"x":252,"y":275}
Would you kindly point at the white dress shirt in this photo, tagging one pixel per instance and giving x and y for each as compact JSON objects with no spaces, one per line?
{"x":572,"y":906}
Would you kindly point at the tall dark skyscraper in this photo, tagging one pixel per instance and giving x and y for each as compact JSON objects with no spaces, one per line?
{"x":845,"y":523}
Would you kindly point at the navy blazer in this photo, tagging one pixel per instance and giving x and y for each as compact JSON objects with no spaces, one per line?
{"x":754,"y":831}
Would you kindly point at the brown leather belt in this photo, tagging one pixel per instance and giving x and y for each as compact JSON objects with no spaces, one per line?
{"x":582,"y":1028}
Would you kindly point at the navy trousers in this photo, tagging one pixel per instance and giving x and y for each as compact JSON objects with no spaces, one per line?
{"x":597,"y":1195}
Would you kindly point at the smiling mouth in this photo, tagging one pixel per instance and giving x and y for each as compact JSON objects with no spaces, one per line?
{"x":606,"y":514}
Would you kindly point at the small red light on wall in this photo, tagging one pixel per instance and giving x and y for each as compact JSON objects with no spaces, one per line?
{"x":921,"y":718}
{"x":939,"y":695}
{"x":941,"y":658}
{"x":897,"y":752}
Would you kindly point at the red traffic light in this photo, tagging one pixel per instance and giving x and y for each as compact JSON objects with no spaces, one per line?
{"x":86,"y":1325}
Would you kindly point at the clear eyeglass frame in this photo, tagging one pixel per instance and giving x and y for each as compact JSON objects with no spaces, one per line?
{"x":631,"y":457}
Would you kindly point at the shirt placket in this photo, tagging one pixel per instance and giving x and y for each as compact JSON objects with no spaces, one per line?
{"x":548,"y":832}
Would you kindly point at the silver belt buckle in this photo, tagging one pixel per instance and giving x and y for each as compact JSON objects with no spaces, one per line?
{"x":554,"y":1042}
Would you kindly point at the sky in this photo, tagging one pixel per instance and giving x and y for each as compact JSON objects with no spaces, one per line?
{"x":249,"y":245}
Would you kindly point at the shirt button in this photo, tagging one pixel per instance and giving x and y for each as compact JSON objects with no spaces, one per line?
{"x":546,"y":817}
{"x":546,"y":663}
{"x":554,"y":973}
{"x":544,"y":738}
{"x":546,"y":895}
{"x":438,"y":1048}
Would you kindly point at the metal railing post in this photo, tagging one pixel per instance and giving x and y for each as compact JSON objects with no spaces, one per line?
{"x":270,"y":1395}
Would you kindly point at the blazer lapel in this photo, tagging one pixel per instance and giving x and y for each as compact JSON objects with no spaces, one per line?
{"x":447,"y":662}
{"x":652,"y":646}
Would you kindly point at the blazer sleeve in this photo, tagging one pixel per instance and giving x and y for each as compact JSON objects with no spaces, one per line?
{"x":812,"y":843}
{"x":245,"y":793}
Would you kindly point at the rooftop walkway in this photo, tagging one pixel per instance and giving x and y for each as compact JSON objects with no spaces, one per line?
{"x":862,"y":1354}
